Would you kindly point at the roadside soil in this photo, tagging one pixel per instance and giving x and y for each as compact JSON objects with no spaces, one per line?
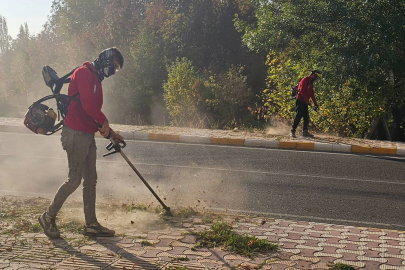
{"x":19,"y":215}
{"x":269,"y":134}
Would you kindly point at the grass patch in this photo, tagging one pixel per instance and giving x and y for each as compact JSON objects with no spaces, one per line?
{"x":146,"y":243}
{"x":185,"y":212}
{"x":207,"y":218}
{"x":134,"y":207}
{"x":72,"y":227}
{"x":341,"y":266}
{"x":222,"y":233}
{"x":175,"y":268}
{"x":181,"y":259}
{"x":23,"y":226}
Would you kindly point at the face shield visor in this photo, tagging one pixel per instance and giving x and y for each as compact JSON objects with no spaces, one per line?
{"x":105,"y":63}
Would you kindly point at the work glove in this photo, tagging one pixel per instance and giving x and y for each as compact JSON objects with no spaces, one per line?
{"x":104,"y":129}
{"x":316,"y":108}
{"x":116,"y":137}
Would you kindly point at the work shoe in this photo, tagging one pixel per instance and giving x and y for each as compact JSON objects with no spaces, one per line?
{"x":49,"y":226}
{"x":95,"y":229}
{"x":305,"y":133}
{"x":293,"y":133}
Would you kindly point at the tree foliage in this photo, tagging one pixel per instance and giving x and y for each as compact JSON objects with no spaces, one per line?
{"x":150,"y":34}
{"x":358,"y":45}
{"x":244,"y":55}
{"x":4,"y":37}
{"x":183,"y":93}
{"x":203,"y":99}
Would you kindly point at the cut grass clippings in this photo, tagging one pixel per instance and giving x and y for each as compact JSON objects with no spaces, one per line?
{"x":185,"y":212}
{"x":146,"y":243}
{"x":222,"y":234}
{"x":341,"y":266}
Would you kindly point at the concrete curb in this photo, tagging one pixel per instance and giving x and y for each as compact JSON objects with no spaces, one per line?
{"x":280,"y":144}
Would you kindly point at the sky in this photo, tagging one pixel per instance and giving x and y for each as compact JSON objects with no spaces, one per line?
{"x":17,"y":12}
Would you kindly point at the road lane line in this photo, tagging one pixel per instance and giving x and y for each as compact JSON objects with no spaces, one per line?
{"x":229,"y":170}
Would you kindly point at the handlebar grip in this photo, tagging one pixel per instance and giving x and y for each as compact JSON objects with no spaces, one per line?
{"x":109,"y":135}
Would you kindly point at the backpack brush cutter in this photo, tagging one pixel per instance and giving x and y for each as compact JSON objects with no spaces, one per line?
{"x":41,"y":119}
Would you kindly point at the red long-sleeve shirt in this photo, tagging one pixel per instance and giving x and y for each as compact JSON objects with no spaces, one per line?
{"x":83,"y":117}
{"x":306,"y":90}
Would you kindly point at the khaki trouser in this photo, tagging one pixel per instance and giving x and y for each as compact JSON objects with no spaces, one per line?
{"x":81,"y":152}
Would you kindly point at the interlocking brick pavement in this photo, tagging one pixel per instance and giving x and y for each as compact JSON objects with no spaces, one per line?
{"x":303,"y":245}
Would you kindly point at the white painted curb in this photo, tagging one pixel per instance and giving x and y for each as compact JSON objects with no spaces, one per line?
{"x":270,"y":144}
{"x":194,"y":139}
{"x":253,"y":143}
{"x":341,"y":148}
{"x":127,"y":135}
{"x":326,"y":147}
{"x":140,"y":136}
{"x":401,"y":152}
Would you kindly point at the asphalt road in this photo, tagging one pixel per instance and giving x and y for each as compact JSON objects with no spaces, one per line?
{"x":322,"y":187}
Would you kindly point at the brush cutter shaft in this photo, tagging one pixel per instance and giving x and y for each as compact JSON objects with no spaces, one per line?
{"x":140,"y":176}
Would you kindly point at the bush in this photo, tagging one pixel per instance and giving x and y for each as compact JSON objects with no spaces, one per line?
{"x":230,"y":98}
{"x":182,"y":93}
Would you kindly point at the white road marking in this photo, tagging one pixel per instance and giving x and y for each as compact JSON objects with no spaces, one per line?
{"x":228,"y":170}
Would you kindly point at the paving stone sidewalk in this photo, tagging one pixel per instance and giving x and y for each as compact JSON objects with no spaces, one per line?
{"x":303,"y":245}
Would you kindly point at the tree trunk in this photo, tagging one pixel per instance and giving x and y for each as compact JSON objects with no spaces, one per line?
{"x":371,"y":129}
{"x":387,"y":131}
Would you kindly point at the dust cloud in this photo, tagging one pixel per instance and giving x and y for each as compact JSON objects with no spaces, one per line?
{"x":122,"y":221}
{"x":182,"y":187}
{"x":31,"y":165}
{"x":36,"y":165}
{"x":278,"y":127}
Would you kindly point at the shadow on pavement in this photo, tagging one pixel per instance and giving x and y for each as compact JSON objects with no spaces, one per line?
{"x":90,"y":260}
{"x":134,"y":260}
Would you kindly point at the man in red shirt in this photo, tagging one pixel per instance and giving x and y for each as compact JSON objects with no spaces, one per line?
{"x":305,"y":92}
{"x":83,"y":120}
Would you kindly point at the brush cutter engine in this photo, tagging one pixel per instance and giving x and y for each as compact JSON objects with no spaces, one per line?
{"x":40,"y":118}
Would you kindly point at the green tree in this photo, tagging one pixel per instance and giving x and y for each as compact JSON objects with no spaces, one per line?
{"x":230,"y":98}
{"x":357,"y":44}
{"x":4,"y":37}
{"x":182,"y":93}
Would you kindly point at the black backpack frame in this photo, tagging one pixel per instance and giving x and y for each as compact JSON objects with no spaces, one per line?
{"x":53,"y":81}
